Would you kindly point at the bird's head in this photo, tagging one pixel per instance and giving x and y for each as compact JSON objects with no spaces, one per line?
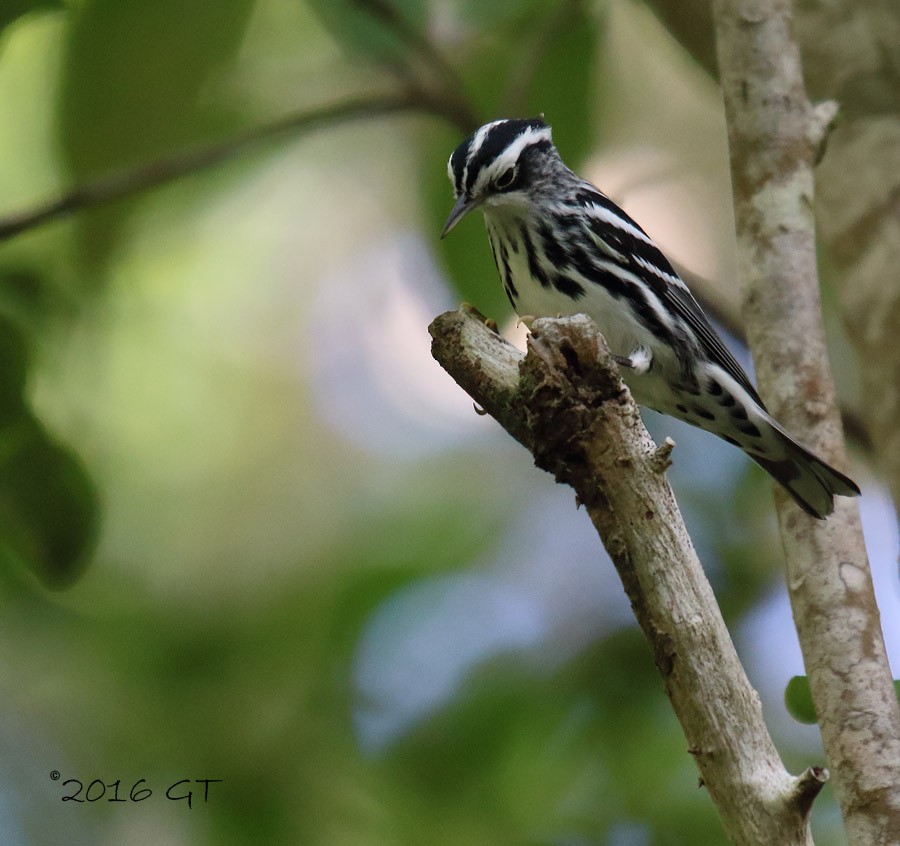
{"x":500,"y":165}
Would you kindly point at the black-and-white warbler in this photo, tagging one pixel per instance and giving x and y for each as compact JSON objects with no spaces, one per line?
{"x":562,"y":247}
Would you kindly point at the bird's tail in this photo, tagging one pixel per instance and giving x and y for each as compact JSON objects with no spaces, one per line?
{"x":811,"y":482}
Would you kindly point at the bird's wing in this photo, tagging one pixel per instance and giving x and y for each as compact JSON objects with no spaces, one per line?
{"x":682,"y":301}
{"x":623,"y":241}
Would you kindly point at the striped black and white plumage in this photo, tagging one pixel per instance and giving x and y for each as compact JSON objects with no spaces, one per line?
{"x":562,"y":247}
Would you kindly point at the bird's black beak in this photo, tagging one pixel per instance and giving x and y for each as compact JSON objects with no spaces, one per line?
{"x":462,"y":207}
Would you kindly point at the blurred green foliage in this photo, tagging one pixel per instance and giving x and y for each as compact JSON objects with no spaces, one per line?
{"x":11,"y":10}
{"x":48,"y":504}
{"x":516,"y":67}
{"x":159,"y":418}
{"x":374,"y":30}
{"x":131,"y":88}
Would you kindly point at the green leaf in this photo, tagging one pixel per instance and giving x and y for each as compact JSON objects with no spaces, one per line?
{"x":134,"y":76}
{"x":13,"y":364}
{"x":12,"y":10}
{"x":48,"y":506}
{"x":487,"y":15}
{"x":563,"y":84}
{"x":373,"y":29}
{"x":465,"y":253}
{"x":502,"y":75}
{"x":799,"y":701}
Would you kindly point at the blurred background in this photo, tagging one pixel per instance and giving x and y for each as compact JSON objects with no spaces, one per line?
{"x":250,"y":531}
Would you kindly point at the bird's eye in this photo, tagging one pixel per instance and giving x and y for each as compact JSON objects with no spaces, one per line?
{"x":505,"y":179}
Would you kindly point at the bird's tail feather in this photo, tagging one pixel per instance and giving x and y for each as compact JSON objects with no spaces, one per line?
{"x":811,"y":482}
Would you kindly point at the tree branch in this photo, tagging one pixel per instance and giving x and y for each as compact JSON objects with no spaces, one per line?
{"x":566,"y":403}
{"x":126,"y":183}
{"x":772,"y":138}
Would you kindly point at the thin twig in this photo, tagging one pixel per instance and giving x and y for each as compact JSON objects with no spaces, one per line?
{"x":126,"y":183}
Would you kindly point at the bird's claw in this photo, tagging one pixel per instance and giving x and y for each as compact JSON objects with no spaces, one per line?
{"x":469,"y":309}
{"x":526,"y":320}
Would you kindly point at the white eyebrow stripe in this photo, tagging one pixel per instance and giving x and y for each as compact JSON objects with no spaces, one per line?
{"x":526,"y":138}
{"x":509,"y":156}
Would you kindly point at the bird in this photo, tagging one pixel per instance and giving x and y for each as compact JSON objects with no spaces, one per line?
{"x":562,"y":247}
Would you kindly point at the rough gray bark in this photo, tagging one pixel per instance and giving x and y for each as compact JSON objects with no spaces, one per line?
{"x":774,"y":138}
{"x":565,"y":402}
